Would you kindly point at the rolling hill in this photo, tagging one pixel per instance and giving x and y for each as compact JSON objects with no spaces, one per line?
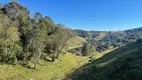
{"x":36,"y":48}
{"x":123,"y":63}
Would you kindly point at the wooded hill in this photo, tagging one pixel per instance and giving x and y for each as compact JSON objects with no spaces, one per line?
{"x":103,"y":40}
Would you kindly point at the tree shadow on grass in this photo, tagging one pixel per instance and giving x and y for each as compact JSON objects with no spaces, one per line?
{"x":124,"y":63}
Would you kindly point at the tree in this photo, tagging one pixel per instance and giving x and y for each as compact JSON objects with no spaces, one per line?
{"x":37,"y":16}
{"x":36,"y":37}
{"x":51,"y":27}
{"x":86,"y":49}
{"x":9,"y":35}
{"x":14,"y":11}
{"x":57,"y":42}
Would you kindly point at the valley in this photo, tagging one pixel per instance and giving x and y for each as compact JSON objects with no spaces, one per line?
{"x":35,"y":47}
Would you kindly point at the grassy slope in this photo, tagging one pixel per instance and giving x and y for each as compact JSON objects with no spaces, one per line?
{"x":101,"y":35}
{"x":76,"y":42}
{"x":124,"y":63}
{"x":45,"y":71}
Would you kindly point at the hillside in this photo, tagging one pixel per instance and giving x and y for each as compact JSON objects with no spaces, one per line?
{"x":100,"y":36}
{"x":123,"y":63}
{"x":75,"y":42}
{"x":34,"y":47}
{"x":45,"y":71}
{"x":103,"y":40}
{"x":97,"y":35}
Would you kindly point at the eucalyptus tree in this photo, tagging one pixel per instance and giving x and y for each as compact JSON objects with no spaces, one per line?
{"x":36,"y":38}
{"x":9,"y":35}
{"x":57,"y":42}
{"x":14,"y":10}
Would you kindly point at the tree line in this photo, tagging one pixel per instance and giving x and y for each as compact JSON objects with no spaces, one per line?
{"x":24,"y":38}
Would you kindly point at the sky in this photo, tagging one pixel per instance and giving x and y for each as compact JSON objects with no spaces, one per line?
{"x":100,"y":15}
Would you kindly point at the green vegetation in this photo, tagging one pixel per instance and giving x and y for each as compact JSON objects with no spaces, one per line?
{"x":25,"y":38}
{"x":97,"y":35}
{"x":121,"y":64}
{"x":100,"y":36}
{"x":35,"y":48}
{"x":88,"y":50}
{"x":103,"y":41}
{"x":76,"y":42}
{"x":45,"y":70}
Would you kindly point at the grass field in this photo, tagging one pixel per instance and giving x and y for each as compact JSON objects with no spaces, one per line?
{"x":44,"y":71}
{"x":76,"y":42}
{"x":101,"y":35}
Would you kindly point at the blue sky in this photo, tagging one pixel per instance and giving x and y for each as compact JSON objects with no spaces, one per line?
{"x":89,"y":14}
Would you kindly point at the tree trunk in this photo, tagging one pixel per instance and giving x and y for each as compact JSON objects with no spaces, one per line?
{"x":35,"y":64}
{"x":66,"y":50}
{"x":53,"y":58}
{"x":37,"y":57}
{"x":59,"y":51}
{"x":58,"y":54}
